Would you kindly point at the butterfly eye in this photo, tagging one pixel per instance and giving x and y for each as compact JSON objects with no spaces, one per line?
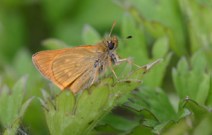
{"x":110,"y":45}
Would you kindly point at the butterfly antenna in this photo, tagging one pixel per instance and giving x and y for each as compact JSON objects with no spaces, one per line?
{"x":111,"y":30}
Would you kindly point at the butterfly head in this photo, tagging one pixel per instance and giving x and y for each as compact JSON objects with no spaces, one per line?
{"x":111,"y":43}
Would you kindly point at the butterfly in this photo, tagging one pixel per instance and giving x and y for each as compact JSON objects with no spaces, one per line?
{"x":77,"y":68}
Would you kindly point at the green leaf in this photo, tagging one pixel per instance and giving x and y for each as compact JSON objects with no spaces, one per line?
{"x":194,"y":114}
{"x":14,"y":102}
{"x":178,"y":128}
{"x":137,"y":43}
{"x":138,"y":49}
{"x":204,"y":127}
{"x":158,"y":73}
{"x":13,"y":109}
{"x":179,"y":76}
{"x":208,"y":55}
{"x":53,"y":44}
{"x":64,"y":103}
{"x":121,"y":123}
{"x":203,"y":90}
{"x":26,"y":67}
{"x":209,"y":99}
{"x":153,"y":15}
{"x":25,"y":106}
{"x":142,"y":130}
{"x":4,"y":104}
{"x":152,"y":103}
{"x":13,"y":129}
{"x":105,"y":129}
{"x":90,"y":35}
{"x":186,"y":81}
{"x":198,"y":110}
{"x":79,"y":114}
{"x":157,"y":105}
{"x":199,"y":17}
{"x":183,"y":66}
{"x":160,"y":48}
{"x":198,"y":62}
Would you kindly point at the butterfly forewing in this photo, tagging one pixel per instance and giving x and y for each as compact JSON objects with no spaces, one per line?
{"x":43,"y":61}
{"x":72,"y":67}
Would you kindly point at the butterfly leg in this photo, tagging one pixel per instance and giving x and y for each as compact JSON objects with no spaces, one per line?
{"x":95,"y":77}
{"x":116,"y":60}
{"x":128,"y":60}
{"x":98,"y":68}
{"x":111,"y":68}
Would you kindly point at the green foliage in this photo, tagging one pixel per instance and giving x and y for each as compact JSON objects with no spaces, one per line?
{"x":54,"y":44}
{"x":144,"y":55}
{"x":152,"y":109}
{"x":199,"y":17}
{"x":12,"y":106}
{"x":192,"y":80}
{"x":79,"y":114}
{"x":8,"y":30}
{"x":174,"y":98}
{"x":153,"y":15}
{"x":147,"y":105}
{"x":90,"y":35}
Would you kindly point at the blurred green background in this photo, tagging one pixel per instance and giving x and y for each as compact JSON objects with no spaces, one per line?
{"x":175,"y":98}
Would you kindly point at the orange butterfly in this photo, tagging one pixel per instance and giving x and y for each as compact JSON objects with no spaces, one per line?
{"x":78,"y":68}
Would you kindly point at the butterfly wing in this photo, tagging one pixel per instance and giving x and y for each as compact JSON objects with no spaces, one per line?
{"x":43,"y":61}
{"x":72,"y":67}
